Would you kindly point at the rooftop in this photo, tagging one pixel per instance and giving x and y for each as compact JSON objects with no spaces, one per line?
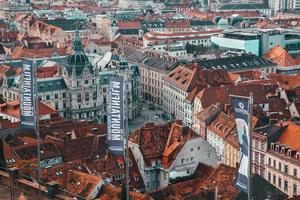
{"x":280,"y":57}
{"x":187,"y":77}
{"x":291,"y":136}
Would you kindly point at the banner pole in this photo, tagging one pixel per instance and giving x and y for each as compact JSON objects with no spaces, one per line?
{"x":37,"y":126}
{"x":127,"y":136}
{"x":250,"y":148}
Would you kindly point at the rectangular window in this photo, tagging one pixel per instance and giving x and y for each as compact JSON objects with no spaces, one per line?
{"x":269,"y":161}
{"x":279,"y":182}
{"x":286,"y":185}
{"x":48,"y":97}
{"x":286,"y":168}
{"x":269,"y":177}
{"x":64,"y":95}
{"x":295,"y":172}
{"x":274,"y":163}
{"x":295,"y":189}
{"x":274,"y":179}
{"x":279,"y":166}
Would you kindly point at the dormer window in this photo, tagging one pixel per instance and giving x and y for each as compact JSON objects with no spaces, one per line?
{"x":289,"y":153}
{"x":272,"y":146}
{"x":282,"y":150}
{"x":298,"y":156}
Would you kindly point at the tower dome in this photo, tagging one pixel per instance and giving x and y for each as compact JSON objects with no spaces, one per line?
{"x":222,"y":24}
{"x":78,"y":60}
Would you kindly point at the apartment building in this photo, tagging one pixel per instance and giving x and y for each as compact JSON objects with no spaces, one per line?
{"x":283,"y":160}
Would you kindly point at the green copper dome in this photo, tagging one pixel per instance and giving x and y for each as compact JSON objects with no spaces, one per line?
{"x":78,"y":60}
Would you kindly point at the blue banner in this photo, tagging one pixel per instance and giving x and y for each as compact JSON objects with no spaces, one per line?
{"x":241,"y":108}
{"x":115,"y":117}
{"x":27,"y":109}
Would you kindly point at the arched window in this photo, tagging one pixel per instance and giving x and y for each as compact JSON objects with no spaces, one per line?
{"x":87,"y":96}
{"x":78,"y":97}
{"x":94,"y":95}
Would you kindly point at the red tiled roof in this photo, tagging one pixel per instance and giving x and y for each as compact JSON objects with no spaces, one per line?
{"x":187,"y":77}
{"x":221,"y":94}
{"x":73,"y":149}
{"x":47,"y":72}
{"x":280,"y":56}
{"x":178,"y":24}
{"x":12,"y":108}
{"x":205,"y":182}
{"x":82,"y":183}
{"x":21,"y":52}
{"x":28,"y":152}
{"x":129,"y":25}
{"x":177,"y":137}
{"x":291,"y":81}
{"x":291,"y":136}
{"x":59,"y":172}
{"x":156,"y":141}
{"x":297,"y":59}
{"x":109,"y":192}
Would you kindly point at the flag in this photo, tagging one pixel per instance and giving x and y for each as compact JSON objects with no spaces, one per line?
{"x":241,"y":108}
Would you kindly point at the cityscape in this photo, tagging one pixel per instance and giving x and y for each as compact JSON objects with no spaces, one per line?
{"x":150,"y":99}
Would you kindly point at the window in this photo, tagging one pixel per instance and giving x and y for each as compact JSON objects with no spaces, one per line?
{"x":86,"y":82}
{"x":294,"y":189}
{"x":192,"y":149}
{"x":286,"y":168}
{"x":279,"y":182}
{"x":48,"y":97}
{"x":198,"y":148}
{"x":286,"y":185}
{"x":87,"y":96}
{"x":94,"y":95}
{"x":56,"y":96}
{"x":64,"y":95}
{"x":269,"y":161}
{"x":279,"y":166}
{"x":269,"y":177}
{"x":274,"y":163}
{"x":274,"y":179}
{"x":295,"y":172}
{"x":78,"y":97}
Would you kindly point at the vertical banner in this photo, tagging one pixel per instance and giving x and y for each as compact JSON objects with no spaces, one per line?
{"x":115,"y":117}
{"x":241,"y":108}
{"x":27,"y":107}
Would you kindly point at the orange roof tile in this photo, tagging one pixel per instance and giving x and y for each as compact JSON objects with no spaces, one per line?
{"x":280,"y":56}
{"x":291,"y":136}
{"x":12,"y":108}
{"x":129,"y":25}
{"x":297,"y":59}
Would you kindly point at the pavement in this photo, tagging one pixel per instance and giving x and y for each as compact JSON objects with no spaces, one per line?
{"x":148,"y":114}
